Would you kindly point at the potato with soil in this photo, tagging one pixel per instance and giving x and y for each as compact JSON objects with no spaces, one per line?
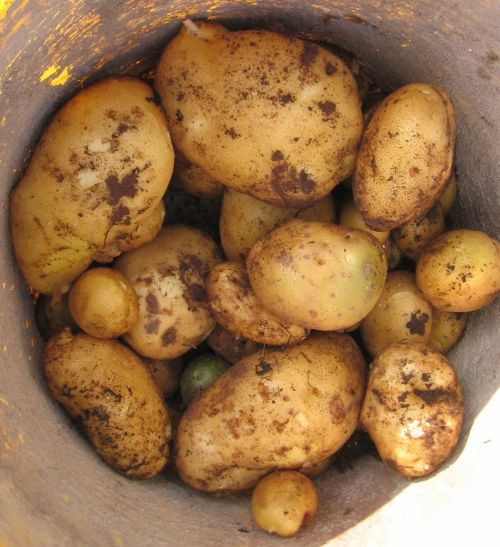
{"x":406,"y":156}
{"x":285,"y":409}
{"x":350,"y":216}
{"x":236,"y":308}
{"x":460,"y":270}
{"x":413,"y":408}
{"x":320,"y":276}
{"x":99,"y":170}
{"x":194,"y":180}
{"x":229,"y":346}
{"x":168,"y":275}
{"x":214,"y":85}
{"x":109,"y":391}
{"x":447,"y":329}
{"x":166,"y":374}
{"x":244,"y":220}
{"x":402,"y":314}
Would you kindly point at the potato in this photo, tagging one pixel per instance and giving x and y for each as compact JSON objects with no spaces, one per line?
{"x":52,"y":315}
{"x":317,"y":469}
{"x":393,"y":255}
{"x":319,"y":276}
{"x":195,"y":181}
{"x":236,"y":308}
{"x":229,"y":346}
{"x":406,"y":156}
{"x":283,"y":502}
{"x":103,"y":303}
{"x":401,"y":314}
{"x":168,"y":275}
{"x":351,"y":217}
{"x":166,"y":374}
{"x":447,"y":329}
{"x":285,"y":409}
{"x":265,"y":114}
{"x":413,"y":409}
{"x":99,"y":170}
{"x":109,"y":391}
{"x":449,"y":195}
{"x":412,"y":237}
{"x":460,"y":270}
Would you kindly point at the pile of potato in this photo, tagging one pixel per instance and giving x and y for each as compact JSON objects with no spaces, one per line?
{"x":270,"y":125}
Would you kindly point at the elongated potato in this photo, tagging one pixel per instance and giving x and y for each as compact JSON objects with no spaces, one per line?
{"x":108,"y":389}
{"x":265,"y":114}
{"x":406,"y":156}
{"x":275,"y":409}
{"x":237,"y":309}
{"x":99,"y":170}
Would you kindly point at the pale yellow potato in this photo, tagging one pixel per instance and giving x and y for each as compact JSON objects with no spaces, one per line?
{"x":412,"y":237}
{"x":402,"y":314}
{"x":168,"y":275}
{"x":393,"y":254}
{"x":460,"y":270}
{"x":284,"y":502}
{"x":236,"y":308}
{"x":276,"y":409}
{"x":406,"y":156}
{"x":106,"y":388}
{"x":351,"y":217}
{"x":449,"y":195}
{"x":413,"y":408}
{"x":320,"y":276}
{"x":195,"y":181}
{"x":230,"y":347}
{"x":166,"y":374}
{"x":268,"y":115}
{"x":317,"y":469}
{"x":447,"y":329}
{"x":244,"y":220}
{"x":103,"y":303}
{"x":100,"y":168}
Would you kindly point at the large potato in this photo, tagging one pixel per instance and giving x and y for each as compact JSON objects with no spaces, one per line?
{"x":265,"y":114}
{"x":460,"y":270}
{"x":168,"y":275}
{"x":319,"y":276}
{"x":110,"y":392}
{"x":244,"y":220}
{"x":413,"y":409}
{"x":406,"y":156}
{"x":99,"y":170}
{"x":275,"y":409}
{"x":237,"y":309}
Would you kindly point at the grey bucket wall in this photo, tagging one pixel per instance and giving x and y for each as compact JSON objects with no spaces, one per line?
{"x":53,"y":489}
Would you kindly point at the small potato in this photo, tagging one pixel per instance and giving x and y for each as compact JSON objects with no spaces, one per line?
{"x":103,"y":303}
{"x":166,"y":374}
{"x":244,"y":220}
{"x":413,"y":408}
{"x":229,"y":346}
{"x":449,"y":195}
{"x":109,"y":391}
{"x":320,"y":276}
{"x":401,"y":314}
{"x":284,"y":502}
{"x":412,"y":237}
{"x":393,"y":254}
{"x":460,"y":270}
{"x":237,"y":309}
{"x":168,"y":275}
{"x":447,"y":329}
{"x":406,"y":156}
{"x":352,"y":218}
{"x":52,"y":315}
{"x":195,"y":181}
{"x":317,"y":469}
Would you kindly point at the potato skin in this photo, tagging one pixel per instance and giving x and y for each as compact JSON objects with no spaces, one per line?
{"x":166,"y":374}
{"x":109,"y":391}
{"x":305,"y":98}
{"x":99,"y":169}
{"x":229,"y":346}
{"x":447,"y":329}
{"x":275,"y":409}
{"x":350,"y":216}
{"x":413,"y":408}
{"x":320,"y":276}
{"x":194,"y":180}
{"x":460,"y":270}
{"x":237,"y":309}
{"x":168,"y":275}
{"x":406,"y":156}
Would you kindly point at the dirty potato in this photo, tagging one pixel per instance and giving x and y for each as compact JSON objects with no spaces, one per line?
{"x":166,"y":374}
{"x":447,"y":329}
{"x":351,"y":217}
{"x":194,"y":180}
{"x":229,"y":346}
{"x":413,"y":408}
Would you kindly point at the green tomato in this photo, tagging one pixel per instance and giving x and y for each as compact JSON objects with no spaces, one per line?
{"x":199,"y":374}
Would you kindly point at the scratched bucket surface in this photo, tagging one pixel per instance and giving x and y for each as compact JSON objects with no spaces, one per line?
{"x":54,"y":490}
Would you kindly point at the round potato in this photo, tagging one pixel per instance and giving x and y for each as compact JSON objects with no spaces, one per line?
{"x":168,"y":275}
{"x":166,"y":374}
{"x":229,"y":346}
{"x":215,"y":84}
{"x":195,"y":181}
{"x":320,"y":276}
{"x":317,"y":469}
{"x":401,"y":314}
{"x":99,"y":170}
{"x":460,"y":270}
{"x":413,"y":408}
{"x":393,"y":254}
{"x":412,"y":237}
{"x":447,"y":329}
{"x":103,"y":303}
{"x":236,"y":308}
{"x":109,"y":391}
{"x":285,"y":409}
{"x":449,"y":195}
{"x":406,"y":156}
{"x":351,"y":217}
